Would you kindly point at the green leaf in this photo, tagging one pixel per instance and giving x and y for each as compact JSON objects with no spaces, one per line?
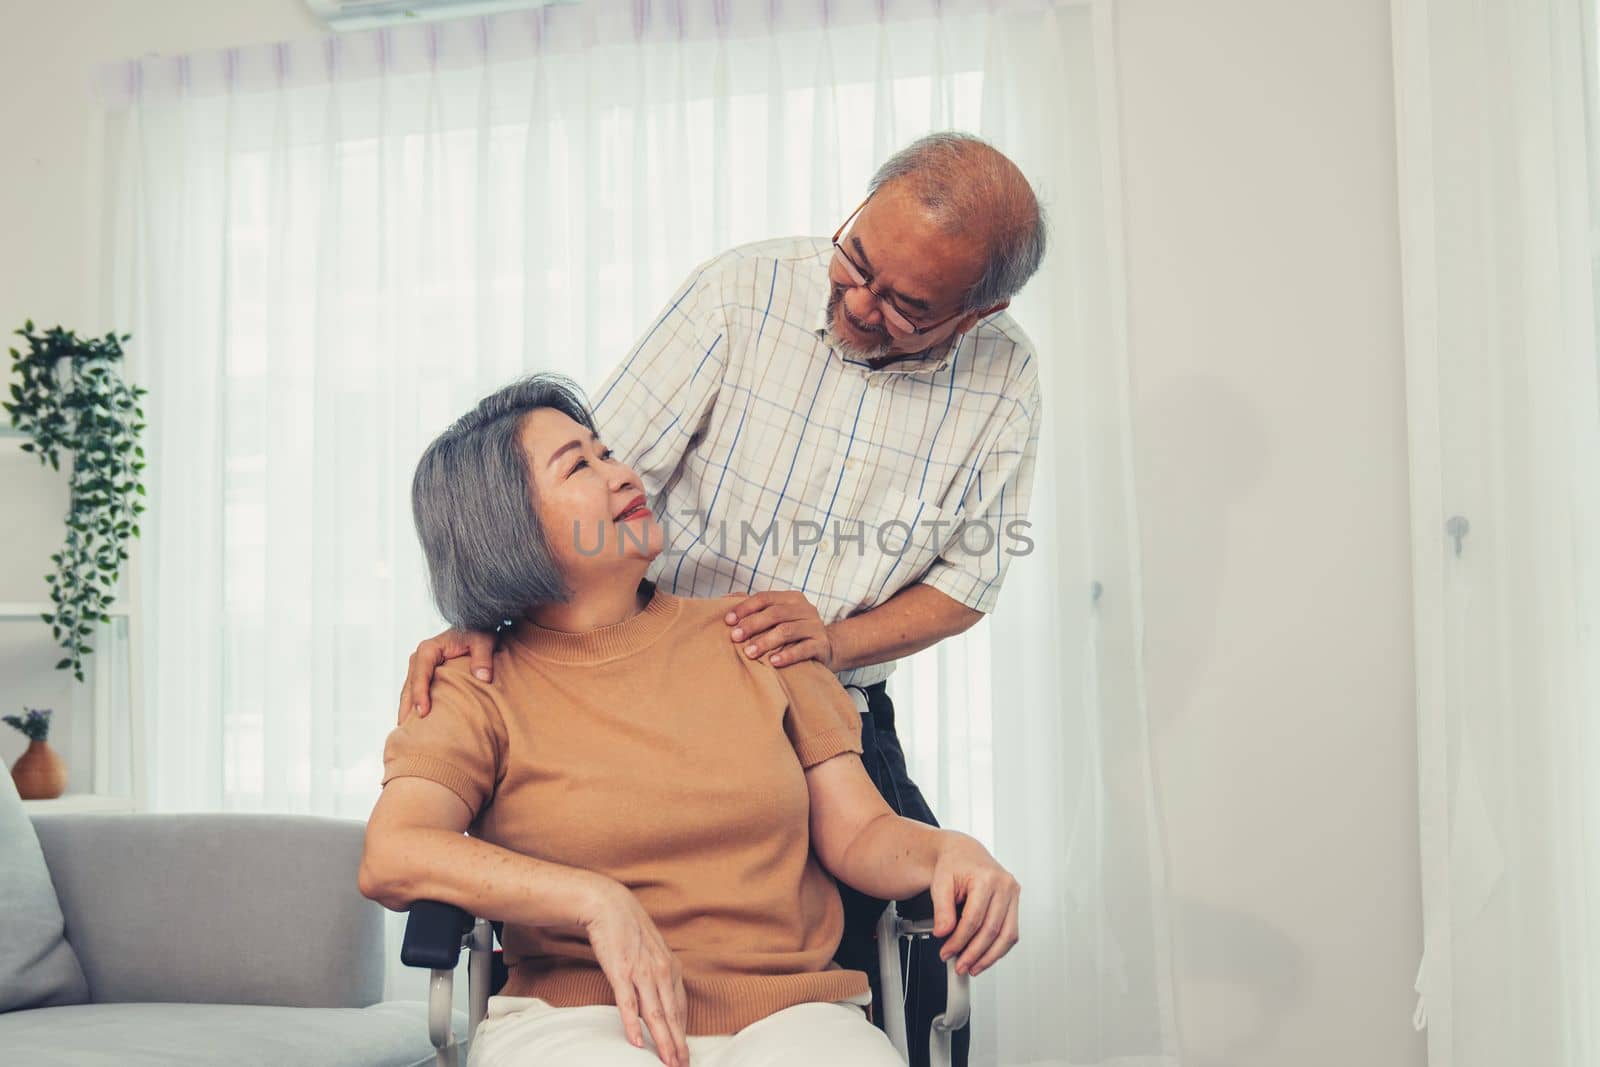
{"x":64,"y":664}
{"x":69,"y":397}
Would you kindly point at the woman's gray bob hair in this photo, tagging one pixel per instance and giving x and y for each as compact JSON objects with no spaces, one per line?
{"x":489,"y":560}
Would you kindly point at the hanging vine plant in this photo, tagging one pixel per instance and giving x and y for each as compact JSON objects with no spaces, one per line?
{"x":71,"y":397}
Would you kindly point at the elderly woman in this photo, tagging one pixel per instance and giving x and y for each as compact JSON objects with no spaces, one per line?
{"x":651,"y":814}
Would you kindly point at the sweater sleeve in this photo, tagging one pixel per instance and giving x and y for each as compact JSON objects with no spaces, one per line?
{"x":821,"y":719}
{"x":460,"y":744}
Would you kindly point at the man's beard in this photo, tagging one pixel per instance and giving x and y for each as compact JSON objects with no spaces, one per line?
{"x":844,"y":344}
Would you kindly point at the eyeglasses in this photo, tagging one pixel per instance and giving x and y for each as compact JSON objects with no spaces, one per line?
{"x":893,"y":317}
{"x":897,"y":321}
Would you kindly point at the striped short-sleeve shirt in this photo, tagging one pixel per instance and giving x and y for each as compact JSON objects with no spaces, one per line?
{"x":776,"y":461}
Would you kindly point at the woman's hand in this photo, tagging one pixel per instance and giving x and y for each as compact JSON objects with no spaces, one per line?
{"x":965,"y":872}
{"x":643,"y":972}
{"x":870,"y":848}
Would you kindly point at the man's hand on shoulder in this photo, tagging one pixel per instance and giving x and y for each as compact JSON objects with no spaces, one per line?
{"x":431,"y":654}
{"x":782,"y":625}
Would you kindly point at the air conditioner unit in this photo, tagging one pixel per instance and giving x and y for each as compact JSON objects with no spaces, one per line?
{"x":367,"y":14}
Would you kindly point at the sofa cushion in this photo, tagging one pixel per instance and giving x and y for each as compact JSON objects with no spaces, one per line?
{"x":37,"y":966}
{"x":391,"y":1034}
{"x":217,"y":908}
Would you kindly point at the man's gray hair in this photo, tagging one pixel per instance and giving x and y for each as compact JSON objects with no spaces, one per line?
{"x":967,"y":183}
{"x":472,"y":499}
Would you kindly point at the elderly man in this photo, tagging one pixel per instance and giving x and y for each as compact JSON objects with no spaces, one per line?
{"x":847,"y":430}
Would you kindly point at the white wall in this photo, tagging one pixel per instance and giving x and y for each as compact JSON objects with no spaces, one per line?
{"x":1263,"y":252}
{"x":1259,"y":161}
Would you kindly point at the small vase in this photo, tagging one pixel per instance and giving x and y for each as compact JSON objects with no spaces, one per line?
{"x":40,"y":772}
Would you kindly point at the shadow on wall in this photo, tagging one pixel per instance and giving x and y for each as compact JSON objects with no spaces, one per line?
{"x":1204,"y":448}
{"x":1226,"y":952}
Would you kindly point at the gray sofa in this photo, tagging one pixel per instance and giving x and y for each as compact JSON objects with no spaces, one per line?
{"x":195,"y":939}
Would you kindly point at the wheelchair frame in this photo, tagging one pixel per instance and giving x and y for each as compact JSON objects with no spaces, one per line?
{"x":436,"y":933}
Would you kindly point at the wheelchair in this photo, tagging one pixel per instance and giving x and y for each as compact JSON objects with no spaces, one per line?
{"x":436,"y":933}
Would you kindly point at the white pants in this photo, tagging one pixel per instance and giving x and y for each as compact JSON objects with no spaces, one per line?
{"x":527,"y":1032}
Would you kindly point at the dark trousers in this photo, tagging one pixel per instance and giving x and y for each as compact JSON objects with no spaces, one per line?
{"x":924,"y":971}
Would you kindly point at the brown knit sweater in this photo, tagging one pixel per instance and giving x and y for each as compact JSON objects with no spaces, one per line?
{"x":657,"y":753}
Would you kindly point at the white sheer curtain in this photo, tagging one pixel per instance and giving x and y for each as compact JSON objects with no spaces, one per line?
{"x":1498,"y":213}
{"x":326,"y":250}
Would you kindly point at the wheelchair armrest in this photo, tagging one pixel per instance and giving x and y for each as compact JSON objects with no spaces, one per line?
{"x":893,"y":925}
{"x":957,"y":996}
{"x":434,"y":932}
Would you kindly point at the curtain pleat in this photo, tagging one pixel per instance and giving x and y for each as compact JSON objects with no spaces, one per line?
{"x":1498,"y":191}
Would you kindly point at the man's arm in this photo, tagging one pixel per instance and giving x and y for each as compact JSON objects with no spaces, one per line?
{"x":997,"y":502}
{"x":915,"y":618}
{"x":955,"y":592}
{"x":786,"y":624}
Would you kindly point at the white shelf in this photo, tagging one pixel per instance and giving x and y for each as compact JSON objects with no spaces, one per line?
{"x":22,"y":610}
{"x":78,"y":804}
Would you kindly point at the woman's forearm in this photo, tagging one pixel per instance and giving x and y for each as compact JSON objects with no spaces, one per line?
{"x":891,"y":858}
{"x":403,"y":866}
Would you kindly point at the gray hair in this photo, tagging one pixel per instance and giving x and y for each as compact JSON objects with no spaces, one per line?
{"x":489,"y":560}
{"x":964,"y":181}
